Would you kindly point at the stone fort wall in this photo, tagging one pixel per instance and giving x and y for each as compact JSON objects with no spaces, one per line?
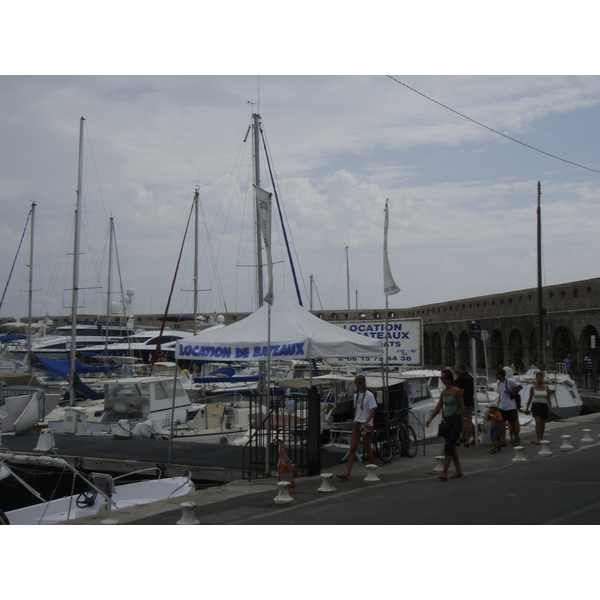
{"x":572,"y":316}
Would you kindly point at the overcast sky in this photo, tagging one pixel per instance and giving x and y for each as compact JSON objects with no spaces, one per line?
{"x":462,"y":198}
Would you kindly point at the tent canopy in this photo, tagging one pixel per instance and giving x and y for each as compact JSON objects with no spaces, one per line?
{"x":295,"y":334}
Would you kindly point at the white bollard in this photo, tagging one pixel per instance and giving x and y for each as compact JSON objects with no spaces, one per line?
{"x":519,"y":457}
{"x":566,"y":445}
{"x":326,"y":483}
{"x":187,"y":517}
{"x":545,"y":450}
{"x":439,"y":464}
{"x":587,"y":438}
{"x":283,"y":496}
{"x":371,"y":475}
{"x":45,"y":441}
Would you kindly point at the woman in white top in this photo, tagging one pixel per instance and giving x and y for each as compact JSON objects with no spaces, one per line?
{"x":365,"y":406}
{"x":539,"y":395}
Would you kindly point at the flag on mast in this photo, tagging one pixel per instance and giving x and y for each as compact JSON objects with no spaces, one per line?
{"x":389,"y":285}
{"x":263,"y":210}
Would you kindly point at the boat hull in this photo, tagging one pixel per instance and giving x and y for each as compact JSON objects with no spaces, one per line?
{"x":126,"y":495}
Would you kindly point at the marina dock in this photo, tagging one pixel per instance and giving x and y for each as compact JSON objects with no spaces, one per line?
{"x":562,"y":488}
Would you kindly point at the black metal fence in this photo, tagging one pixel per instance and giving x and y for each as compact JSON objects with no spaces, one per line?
{"x":291,"y":420}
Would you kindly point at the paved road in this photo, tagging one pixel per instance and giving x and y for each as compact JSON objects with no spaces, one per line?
{"x":561,"y":489}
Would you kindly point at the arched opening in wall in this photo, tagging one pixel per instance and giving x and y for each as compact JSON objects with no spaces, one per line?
{"x":562,"y":344}
{"x":464,"y":348}
{"x":515,"y":351}
{"x":531,"y":352}
{"x":496,"y":349}
{"x":426,"y":349}
{"x":449,"y":351}
{"x":436,"y":350}
{"x":587,"y":339}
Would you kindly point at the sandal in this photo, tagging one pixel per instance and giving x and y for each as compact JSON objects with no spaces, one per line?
{"x":343,"y":476}
{"x":456,"y":475}
{"x":443,"y":478}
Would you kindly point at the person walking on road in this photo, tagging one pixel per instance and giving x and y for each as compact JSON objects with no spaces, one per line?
{"x":507,"y":391}
{"x":365,"y":406}
{"x":465,"y":382}
{"x":541,"y":405}
{"x":453,"y":412}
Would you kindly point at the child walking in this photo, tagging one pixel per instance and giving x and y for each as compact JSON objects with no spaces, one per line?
{"x":495,"y":418}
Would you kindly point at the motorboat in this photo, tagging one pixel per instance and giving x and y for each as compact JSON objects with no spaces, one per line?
{"x":564,"y":395}
{"x":23,"y":402}
{"x":102,"y":494}
{"x":57,"y":345}
{"x":135,"y":400}
{"x":141,"y":345}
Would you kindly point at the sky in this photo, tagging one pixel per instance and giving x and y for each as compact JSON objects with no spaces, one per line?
{"x":462,"y":194}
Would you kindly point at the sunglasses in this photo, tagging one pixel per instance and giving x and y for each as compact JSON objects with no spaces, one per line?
{"x":444,"y":378}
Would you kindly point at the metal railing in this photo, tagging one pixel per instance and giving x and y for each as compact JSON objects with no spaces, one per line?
{"x":286,"y":420}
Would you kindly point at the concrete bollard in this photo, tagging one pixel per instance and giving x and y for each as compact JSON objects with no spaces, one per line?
{"x":519,"y":457}
{"x":439,"y":464}
{"x":545,"y":449}
{"x":283,"y":495}
{"x":566,"y":444}
{"x":45,"y":441}
{"x":371,"y":475}
{"x":587,"y":438}
{"x":326,"y":483}
{"x":187,"y":517}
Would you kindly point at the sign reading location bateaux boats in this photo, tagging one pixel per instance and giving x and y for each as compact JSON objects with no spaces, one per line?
{"x":403,"y":339}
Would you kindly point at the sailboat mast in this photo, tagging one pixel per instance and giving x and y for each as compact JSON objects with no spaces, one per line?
{"x":76,"y":268}
{"x":259,"y":274}
{"x":348,"y":280}
{"x":541,"y":345}
{"x":196,"y":201}
{"x":110,"y":248}
{"x":30,"y":295}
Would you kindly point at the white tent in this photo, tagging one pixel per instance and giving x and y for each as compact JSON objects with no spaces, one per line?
{"x":295,"y":334}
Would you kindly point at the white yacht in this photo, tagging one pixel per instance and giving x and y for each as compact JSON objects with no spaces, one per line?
{"x":57,"y":345}
{"x":142,"y":344}
{"x":564,"y":395}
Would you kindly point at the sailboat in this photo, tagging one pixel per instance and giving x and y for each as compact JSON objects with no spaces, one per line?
{"x":565,"y":397}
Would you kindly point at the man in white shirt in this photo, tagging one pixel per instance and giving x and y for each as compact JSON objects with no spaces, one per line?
{"x":507,"y":389}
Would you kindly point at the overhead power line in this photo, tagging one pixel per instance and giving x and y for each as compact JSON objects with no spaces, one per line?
{"x":491,"y":129}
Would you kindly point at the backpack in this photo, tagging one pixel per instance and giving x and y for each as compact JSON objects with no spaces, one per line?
{"x":514,"y":395}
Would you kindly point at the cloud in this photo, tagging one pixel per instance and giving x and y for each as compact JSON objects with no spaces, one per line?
{"x":462,"y":199}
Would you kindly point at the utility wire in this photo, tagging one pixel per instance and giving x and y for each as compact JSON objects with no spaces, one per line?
{"x":490,"y":129}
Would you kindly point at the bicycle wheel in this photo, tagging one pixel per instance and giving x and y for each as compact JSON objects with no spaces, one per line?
{"x":408,"y":441}
{"x":384,"y":446}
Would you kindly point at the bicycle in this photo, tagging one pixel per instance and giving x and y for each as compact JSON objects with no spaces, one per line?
{"x":397,"y":436}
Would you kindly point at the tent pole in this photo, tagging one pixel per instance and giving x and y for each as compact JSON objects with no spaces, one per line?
{"x":268,"y":383}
